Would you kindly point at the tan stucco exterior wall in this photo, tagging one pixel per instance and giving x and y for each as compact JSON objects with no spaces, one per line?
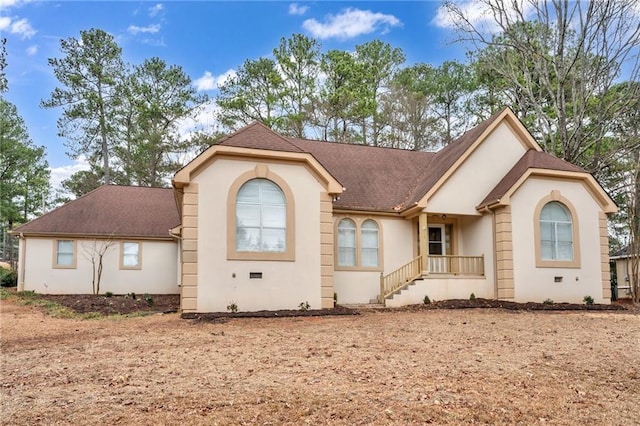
{"x":467,"y":187}
{"x":536,"y":284}
{"x":157,"y":274}
{"x":361,"y":286}
{"x":476,"y":239}
{"x":284,"y":284}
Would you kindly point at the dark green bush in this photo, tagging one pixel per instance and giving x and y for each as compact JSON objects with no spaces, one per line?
{"x":8,"y":278}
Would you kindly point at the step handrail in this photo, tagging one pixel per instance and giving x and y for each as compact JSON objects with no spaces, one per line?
{"x":399,"y":278}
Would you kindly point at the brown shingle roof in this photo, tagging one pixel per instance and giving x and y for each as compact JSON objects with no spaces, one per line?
{"x":532,"y":159}
{"x":375,"y":178}
{"x":258,"y":136}
{"x":117,"y":211}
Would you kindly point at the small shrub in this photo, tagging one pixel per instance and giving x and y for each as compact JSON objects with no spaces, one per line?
{"x":108,"y":294}
{"x":588,"y":300}
{"x":8,"y":278}
{"x":472,"y":297}
{"x":426,"y":300}
{"x":304,"y":306}
{"x":232,"y":307}
{"x":148,"y":298}
{"x":548,"y":301}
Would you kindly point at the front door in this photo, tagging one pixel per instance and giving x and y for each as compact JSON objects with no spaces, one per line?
{"x":437,"y":248}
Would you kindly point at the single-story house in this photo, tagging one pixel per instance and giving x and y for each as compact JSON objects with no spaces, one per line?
{"x":265,"y":221}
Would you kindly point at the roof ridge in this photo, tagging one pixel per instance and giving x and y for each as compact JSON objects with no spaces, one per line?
{"x":390,"y":148}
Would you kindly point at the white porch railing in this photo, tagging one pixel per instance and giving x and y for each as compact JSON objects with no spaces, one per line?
{"x":399,"y":278}
{"x":455,"y":265}
{"x":437,"y":265}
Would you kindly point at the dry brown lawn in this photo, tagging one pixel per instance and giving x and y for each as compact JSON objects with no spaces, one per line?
{"x":470,"y":366}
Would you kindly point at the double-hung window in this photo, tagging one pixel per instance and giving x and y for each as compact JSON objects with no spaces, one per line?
{"x":347,"y":243}
{"x":65,"y":256}
{"x":130,"y":255}
{"x":358,"y":244}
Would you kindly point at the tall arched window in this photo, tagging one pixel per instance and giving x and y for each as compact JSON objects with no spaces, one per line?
{"x":369,"y":243}
{"x":347,"y":243}
{"x":556,"y":232}
{"x":261,"y":217}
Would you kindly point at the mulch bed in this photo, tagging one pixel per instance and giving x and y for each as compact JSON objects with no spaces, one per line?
{"x":338,"y":310}
{"x":117,"y":304}
{"x":529,"y":306}
{"x":168,"y":303}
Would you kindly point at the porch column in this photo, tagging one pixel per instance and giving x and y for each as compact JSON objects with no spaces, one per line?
{"x":423,"y":233}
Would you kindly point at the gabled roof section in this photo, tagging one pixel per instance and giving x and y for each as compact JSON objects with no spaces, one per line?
{"x":543,"y":164}
{"x":111,"y":211}
{"x":449,"y":158}
{"x":375,"y":179}
{"x":256,"y":141}
{"x":258,"y":136}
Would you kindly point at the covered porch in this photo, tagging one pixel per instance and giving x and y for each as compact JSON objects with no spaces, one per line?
{"x":450,"y":261}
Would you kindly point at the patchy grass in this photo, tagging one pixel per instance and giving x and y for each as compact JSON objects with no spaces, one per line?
{"x":393,"y":367}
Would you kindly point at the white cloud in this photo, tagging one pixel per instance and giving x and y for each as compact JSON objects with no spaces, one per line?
{"x":32,"y":50}
{"x":151,"y":29}
{"x":154,"y":10}
{"x":210,"y":82}
{"x":205,"y":120}
{"x":6,"y":4}
{"x":479,"y":14}
{"x":296,"y":9}
{"x":21,"y":27}
{"x":58,"y":174}
{"x":350,"y":23}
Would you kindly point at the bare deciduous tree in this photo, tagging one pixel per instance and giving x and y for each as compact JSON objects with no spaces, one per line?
{"x":94,"y":251}
{"x":559,"y":59}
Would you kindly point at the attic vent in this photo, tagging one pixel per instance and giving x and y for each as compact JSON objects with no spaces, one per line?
{"x":557,"y":279}
{"x":255,"y":275}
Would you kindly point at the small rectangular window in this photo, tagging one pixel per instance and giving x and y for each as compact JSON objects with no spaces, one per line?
{"x":255,"y":275}
{"x":130,"y":255}
{"x":65,"y":253}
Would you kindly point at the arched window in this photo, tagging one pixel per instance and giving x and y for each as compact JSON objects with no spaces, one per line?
{"x":556,"y":232}
{"x":369,"y":243}
{"x":347,"y":243}
{"x":261,"y":217}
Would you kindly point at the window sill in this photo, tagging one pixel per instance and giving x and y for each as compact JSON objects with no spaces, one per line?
{"x":277,"y":257}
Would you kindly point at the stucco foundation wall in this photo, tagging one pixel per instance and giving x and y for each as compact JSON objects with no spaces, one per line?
{"x":397,"y":246}
{"x":536,"y":284}
{"x":284,"y":284}
{"x":501,"y":149}
{"x":157,"y":275}
{"x":442,"y":289}
{"x":476,"y":238}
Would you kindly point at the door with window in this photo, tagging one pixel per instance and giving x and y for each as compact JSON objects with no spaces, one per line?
{"x":437,"y":248}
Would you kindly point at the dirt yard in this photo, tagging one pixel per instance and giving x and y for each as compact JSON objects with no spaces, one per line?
{"x":463,"y":366}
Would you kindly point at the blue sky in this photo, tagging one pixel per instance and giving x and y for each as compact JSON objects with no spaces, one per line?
{"x":208,"y":39}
